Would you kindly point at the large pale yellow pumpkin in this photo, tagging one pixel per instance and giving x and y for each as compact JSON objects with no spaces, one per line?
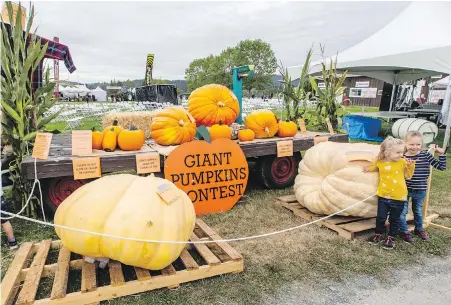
{"x":263,"y":123}
{"x":129,"y":206}
{"x":210,"y":104}
{"x":172,"y":126}
{"x":330,"y":180}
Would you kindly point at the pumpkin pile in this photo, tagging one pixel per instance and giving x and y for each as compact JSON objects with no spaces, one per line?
{"x":331,"y":178}
{"x":128,"y":206}
{"x":115,"y":136}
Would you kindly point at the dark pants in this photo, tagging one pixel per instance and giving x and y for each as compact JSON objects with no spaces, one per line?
{"x":394,"y":208}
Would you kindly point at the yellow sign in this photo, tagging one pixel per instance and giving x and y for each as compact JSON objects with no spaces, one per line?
{"x":301,"y":123}
{"x":148,"y":163}
{"x":285,"y":148}
{"x":168,"y":193}
{"x":86,"y":168}
{"x":41,"y":146}
{"x":81,"y":142}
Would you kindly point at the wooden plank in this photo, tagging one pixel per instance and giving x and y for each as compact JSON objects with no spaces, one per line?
{"x":440,"y":227}
{"x":30,"y":286}
{"x":88,"y":277}
{"x":288,"y":198}
{"x":168,"y":271}
{"x":344,"y":219}
{"x":116,"y":275}
{"x":359,"y":226}
{"x":61,"y":274}
{"x":142,"y":274}
{"x":342,"y":232}
{"x":188,"y":260}
{"x":133,"y":287}
{"x":49,"y":270}
{"x":11,"y":280}
{"x":231,"y":252}
{"x":206,"y":254}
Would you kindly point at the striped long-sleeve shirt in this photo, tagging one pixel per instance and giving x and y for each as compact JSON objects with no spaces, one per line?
{"x":423,"y":162}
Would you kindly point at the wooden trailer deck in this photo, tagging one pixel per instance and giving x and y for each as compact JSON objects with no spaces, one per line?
{"x":59,"y":162}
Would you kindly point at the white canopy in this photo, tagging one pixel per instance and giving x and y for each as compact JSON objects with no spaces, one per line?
{"x":99,"y":93}
{"x":416,"y":44}
{"x":443,"y":83}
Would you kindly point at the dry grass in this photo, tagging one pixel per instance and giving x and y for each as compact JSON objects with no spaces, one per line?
{"x":141,"y":120}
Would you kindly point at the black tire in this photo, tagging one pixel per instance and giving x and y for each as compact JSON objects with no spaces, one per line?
{"x":278,"y":173}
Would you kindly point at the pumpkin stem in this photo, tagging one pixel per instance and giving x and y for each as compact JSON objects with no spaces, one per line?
{"x":221,"y":104}
{"x":267,"y":130}
{"x":132,"y":127}
{"x":115,"y":122}
{"x":112,"y":129}
{"x":181,"y":123}
{"x":93,"y":128}
{"x":220,"y":122}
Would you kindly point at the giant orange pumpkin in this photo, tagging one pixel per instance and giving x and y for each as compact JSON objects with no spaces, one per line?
{"x":211,"y":103}
{"x":214,"y":176}
{"x":172,"y":126}
{"x":263,"y":123}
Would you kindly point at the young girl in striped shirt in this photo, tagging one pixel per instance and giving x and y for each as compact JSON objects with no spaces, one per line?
{"x":417,"y":185}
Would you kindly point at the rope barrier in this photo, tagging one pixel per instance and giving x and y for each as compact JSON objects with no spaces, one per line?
{"x":189,"y":242}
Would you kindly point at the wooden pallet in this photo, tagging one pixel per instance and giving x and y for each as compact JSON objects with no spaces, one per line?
{"x":22,"y":280}
{"x":346,"y":226}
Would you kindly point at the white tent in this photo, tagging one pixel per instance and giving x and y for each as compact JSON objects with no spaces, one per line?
{"x":416,"y":44}
{"x":82,"y":90}
{"x":99,"y":93}
{"x":441,"y":84}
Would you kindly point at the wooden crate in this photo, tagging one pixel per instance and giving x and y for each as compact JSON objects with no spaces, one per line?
{"x":346,"y":226}
{"x":21,"y":282}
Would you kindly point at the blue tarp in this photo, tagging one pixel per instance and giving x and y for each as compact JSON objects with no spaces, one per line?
{"x":363,"y":128}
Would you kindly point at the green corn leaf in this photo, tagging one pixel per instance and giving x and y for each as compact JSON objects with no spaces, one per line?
{"x":29,"y":137}
{"x":11,"y":112}
{"x":42,"y":121}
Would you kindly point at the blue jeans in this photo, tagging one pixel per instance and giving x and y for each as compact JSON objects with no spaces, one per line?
{"x":417,"y":208}
{"x":384,"y":208}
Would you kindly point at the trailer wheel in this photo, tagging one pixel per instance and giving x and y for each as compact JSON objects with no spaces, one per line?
{"x":55,"y":190}
{"x":278,"y":173}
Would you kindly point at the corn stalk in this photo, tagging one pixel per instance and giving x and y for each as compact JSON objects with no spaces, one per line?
{"x":295,"y":98}
{"x":327,"y":106}
{"x":22,"y":110}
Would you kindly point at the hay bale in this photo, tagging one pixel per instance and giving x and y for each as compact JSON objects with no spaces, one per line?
{"x":141,"y":120}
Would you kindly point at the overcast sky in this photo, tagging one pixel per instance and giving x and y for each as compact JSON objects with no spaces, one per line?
{"x":112,"y":39}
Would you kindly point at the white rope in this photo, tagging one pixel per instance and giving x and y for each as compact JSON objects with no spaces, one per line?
{"x":36,"y":181}
{"x":190,"y":242}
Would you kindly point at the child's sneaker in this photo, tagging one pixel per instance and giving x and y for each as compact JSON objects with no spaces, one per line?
{"x":389,"y":243}
{"x":407,"y":237}
{"x":376,"y":239}
{"x":13,"y":245}
{"x":422,"y":235}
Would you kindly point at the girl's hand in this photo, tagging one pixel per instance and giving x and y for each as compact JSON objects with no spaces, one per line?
{"x":408,"y":160}
{"x":439,"y":150}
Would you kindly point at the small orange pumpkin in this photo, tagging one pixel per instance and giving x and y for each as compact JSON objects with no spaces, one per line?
{"x":287,"y":129}
{"x":117,"y":129}
{"x":246,"y":135}
{"x":219,"y":131}
{"x":131,"y":139}
{"x":109,"y":142}
{"x":263,"y":123}
{"x":97,"y":139}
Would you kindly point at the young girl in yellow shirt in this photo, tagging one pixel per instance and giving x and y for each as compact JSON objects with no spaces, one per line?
{"x":392,"y":189}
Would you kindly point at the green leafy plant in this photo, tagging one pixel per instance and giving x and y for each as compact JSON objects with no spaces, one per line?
{"x":327,"y":106}
{"x":22,"y":109}
{"x":295,"y":98}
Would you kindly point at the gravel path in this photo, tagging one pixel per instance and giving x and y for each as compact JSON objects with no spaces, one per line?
{"x":428,"y":283}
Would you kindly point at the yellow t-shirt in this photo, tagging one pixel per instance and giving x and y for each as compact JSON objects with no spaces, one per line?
{"x":392,"y":175}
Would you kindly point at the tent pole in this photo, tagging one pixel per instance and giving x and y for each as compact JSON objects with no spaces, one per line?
{"x":393,"y":92}
{"x":448,"y":121}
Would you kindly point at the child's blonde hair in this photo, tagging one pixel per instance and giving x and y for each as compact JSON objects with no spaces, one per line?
{"x":388,"y":145}
{"x":412,"y":134}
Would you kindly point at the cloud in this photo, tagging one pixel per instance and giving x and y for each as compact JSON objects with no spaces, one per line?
{"x":112,"y":39}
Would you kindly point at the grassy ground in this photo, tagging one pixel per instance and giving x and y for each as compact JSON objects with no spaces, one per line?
{"x":310,"y":254}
